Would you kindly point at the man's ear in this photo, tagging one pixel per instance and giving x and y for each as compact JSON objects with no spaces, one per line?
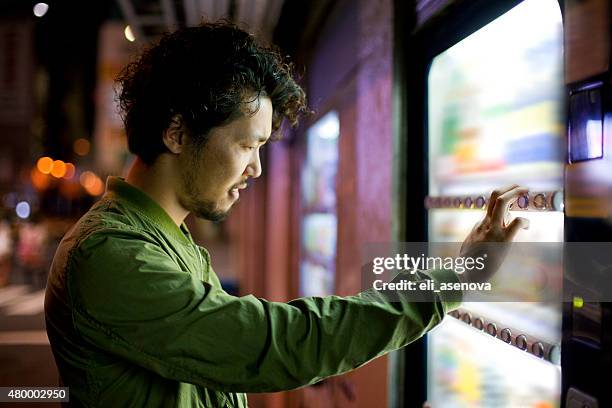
{"x":175,"y":136}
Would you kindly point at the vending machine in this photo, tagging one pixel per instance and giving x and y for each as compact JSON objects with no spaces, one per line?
{"x":494,"y":115}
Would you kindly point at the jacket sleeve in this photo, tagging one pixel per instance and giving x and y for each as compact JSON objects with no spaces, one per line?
{"x":131,"y":299}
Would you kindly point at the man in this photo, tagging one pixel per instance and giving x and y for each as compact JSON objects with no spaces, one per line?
{"x":135,"y":314}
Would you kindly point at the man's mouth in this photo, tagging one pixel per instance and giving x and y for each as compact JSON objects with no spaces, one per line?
{"x":234,"y":191}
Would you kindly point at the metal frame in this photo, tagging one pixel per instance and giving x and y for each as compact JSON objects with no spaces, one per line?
{"x":416,"y":46}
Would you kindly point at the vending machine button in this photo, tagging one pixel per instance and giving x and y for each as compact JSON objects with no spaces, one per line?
{"x":521,"y":342}
{"x":523,"y":202}
{"x":492,"y":329}
{"x":506,"y":335}
{"x":478,"y":323}
{"x":480,"y":202}
{"x":554,"y":355}
{"x":538,"y":349}
{"x":457,"y":202}
{"x":467,"y":318}
{"x":468,"y":202}
{"x":539,"y":201}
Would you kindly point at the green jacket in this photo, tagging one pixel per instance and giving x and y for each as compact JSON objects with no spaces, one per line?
{"x":136,"y":317}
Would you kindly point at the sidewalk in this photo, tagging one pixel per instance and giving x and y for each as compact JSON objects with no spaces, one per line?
{"x":25,"y":354}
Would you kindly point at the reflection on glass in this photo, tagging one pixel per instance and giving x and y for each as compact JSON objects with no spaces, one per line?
{"x":594,"y":137}
{"x":586,"y":125}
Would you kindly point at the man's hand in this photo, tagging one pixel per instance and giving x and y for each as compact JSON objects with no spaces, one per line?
{"x":493,"y":229}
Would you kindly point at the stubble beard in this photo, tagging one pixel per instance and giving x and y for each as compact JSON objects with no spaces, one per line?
{"x":204,"y":209}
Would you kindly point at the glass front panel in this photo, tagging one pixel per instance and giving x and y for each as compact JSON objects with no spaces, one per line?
{"x":495,"y":103}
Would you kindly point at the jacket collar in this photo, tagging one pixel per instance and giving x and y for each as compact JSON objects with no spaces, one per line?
{"x":117,"y":188}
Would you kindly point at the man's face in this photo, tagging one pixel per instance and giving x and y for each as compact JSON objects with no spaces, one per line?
{"x":212,"y":177}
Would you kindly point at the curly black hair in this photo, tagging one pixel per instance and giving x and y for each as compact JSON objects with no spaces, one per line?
{"x":206,"y":74}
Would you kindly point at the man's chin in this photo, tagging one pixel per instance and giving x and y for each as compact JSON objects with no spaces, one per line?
{"x":214,"y":215}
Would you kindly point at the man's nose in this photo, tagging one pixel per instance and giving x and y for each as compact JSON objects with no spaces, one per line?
{"x":254,"y":167}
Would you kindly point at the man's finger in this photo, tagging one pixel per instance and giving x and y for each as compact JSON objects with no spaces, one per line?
{"x":495,"y":194}
{"x":515,"y":226}
{"x":502,"y":204}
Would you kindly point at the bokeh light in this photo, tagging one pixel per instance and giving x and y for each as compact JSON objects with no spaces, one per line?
{"x":92,"y":183}
{"x":23,"y":209}
{"x":70,"y":171}
{"x":81,"y":146}
{"x":44,"y":164}
{"x":59,"y":169}
{"x":40,"y":9}
{"x":39,"y":180}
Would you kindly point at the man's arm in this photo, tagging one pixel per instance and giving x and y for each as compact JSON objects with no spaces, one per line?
{"x":131,"y":299}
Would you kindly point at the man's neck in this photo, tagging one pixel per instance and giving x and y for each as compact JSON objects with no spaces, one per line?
{"x":158,"y":181}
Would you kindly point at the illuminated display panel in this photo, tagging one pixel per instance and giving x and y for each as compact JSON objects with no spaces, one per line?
{"x":495,"y":102}
{"x":495,"y":105}
{"x":319,"y":219}
{"x":470,"y":370}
